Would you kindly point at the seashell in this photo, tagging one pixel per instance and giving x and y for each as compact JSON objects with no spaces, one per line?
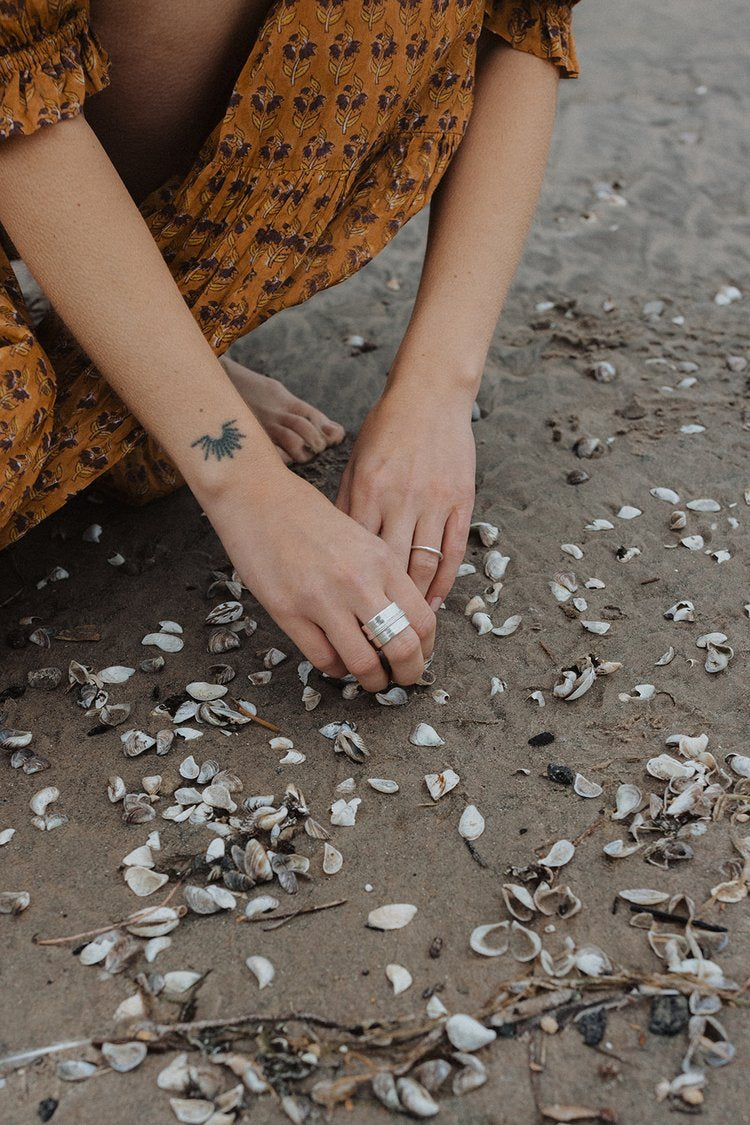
{"x":115,"y":674}
{"x":666,"y":768}
{"x":139,"y":857}
{"x":189,"y":768}
{"x":599,"y":525}
{"x":639,"y":692}
{"x":495,"y":565}
{"x":192,"y":1111}
{"x":204,"y":692}
{"x":585,"y":788}
{"x":734,"y":890}
{"x":436,"y":1008}
{"x":718,"y":657}
{"x":556,"y":900}
{"x":642,"y":896}
{"x":178,"y":984}
{"x":482,"y":622}
{"x":518,"y":901}
{"x":680,"y":611}
{"x":13,"y":902}
{"x":603,"y":372}
{"x":112,"y":714}
{"x":627,"y":799}
{"x":666,"y":494}
{"x":75,"y":1070}
{"x":224,"y":613}
{"x":720,"y":556}
{"x":116,"y":789}
{"x":487,"y":532}
{"x":14,"y":739}
{"x":262,"y":970}
{"x":497,"y":686}
{"x":164,"y":740}
{"x":400,"y":978}
{"x":478,"y":942}
{"x":344,"y":813}
{"x":393,"y":916}
{"x":123,"y":1057}
{"x":230,"y":781}
{"x":292,"y":758}
{"x":332,"y":859}
{"x":415,"y":1099}
{"x":677,"y":521}
{"x":432,"y":1074}
{"x":50,"y":821}
{"x":618,"y":849}
{"x":572,"y":549}
{"x":472,"y":1075}
{"x":351,"y":691}
{"x":703,"y":505}
{"x":594,"y":584}
{"x":467,"y":1034}
{"x":441,"y":783}
{"x":218,"y":797}
{"x":152,"y":664}
{"x":383,"y":785}
{"x":261,"y":904}
{"x":215,"y":850}
{"x":559,"y":854}
{"x":95,"y":951}
{"x":384,"y":1089}
{"x":222,"y":640}
{"x":589,"y":447}
{"x":154,"y":921}
{"x":257,"y":863}
{"x":508,"y":626}
{"x":465,"y":569}
{"x":471,"y":824}
{"x":209,"y":770}
{"x":43,"y":798}
{"x":425,"y":735}
{"x":144,"y":881}
{"x":280,"y":743}
{"x":44,"y":679}
{"x":273,"y":657}
{"x":525,"y":945}
{"x":740,"y":763}
{"x":257,"y":679}
{"x":592,"y":961}
{"x":32,"y":763}
{"x":310,"y":698}
{"x":167,"y":642}
{"x":136,"y":809}
{"x":200,"y":900}
{"x":223,"y":673}
{"x":693,"y":542}
{"x":492,"y":593}
{"x":6,"y":835}
{"x":135,"y":742}
{"x":348,"y":742}
{"x":538,"y":697}
{"x":666,"y":658}
{"x":600,"y":627}
{"x":628,"y":512}
{"x":474,"y":605}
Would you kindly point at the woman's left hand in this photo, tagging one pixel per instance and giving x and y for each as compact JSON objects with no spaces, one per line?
{"x":410,"y":479}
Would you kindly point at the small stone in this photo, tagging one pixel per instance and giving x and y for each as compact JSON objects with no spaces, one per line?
{"x":542,"y":739}
{"x":669,"y":1015}
{"x":592,"y":1025}
{"x":561,"y":775}
{"x":577,"y":476}
{"x":549,"y":1024}
{"x":46,"y":1108}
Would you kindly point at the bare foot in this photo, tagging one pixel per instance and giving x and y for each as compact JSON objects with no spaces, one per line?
{"x":298,"y":430}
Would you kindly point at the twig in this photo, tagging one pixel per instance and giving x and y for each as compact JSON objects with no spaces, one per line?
{"x":34,"y":1053}
{"x":12,"y":597}
{"x":289,"y":914}
{"x":113,"y":925}
{"x":256,"y":719}
{"x":668,"y":916}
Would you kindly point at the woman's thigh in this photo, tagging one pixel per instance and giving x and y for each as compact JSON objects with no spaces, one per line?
{"x":174,"y":63}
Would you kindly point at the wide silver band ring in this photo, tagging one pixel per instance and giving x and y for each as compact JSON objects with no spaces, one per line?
{"x":385,"y":617}
{"x":391,"y":631}
{"x":432,"y":550}
{"x":386,"y":625}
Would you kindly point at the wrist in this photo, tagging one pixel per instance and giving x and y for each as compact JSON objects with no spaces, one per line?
{"x":438,"y":374}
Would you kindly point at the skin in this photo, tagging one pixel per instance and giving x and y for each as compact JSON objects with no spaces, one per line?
{"x":68,"y":200}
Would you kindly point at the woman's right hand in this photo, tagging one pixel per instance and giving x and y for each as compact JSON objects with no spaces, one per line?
{"x":320,"y":575}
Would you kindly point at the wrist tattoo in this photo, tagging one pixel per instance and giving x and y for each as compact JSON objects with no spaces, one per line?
{"x":222,"y":446}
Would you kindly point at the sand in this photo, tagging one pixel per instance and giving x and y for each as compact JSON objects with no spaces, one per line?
{"x":678,"y":156}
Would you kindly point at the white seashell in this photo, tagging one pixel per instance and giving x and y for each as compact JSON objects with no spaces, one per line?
{"x":441,"y":783}
{"x":690,"y":746}
{"x":667,"y":494}
{"x":344,"y":813}
{"x":508,"y":626}
{"x":666,"y":768}
{"x":677,"y":521}
{"x":572,"y":549}
{"x":153,"y":922}
{"x":144,"y":881}
{"x":482,"y":622}
{"x":192,"y":1111}
{"x":585,"y":788}
{"x":164,"y":740}
{"x":680,"y":611}
{"x":189,"y":768}
{"x":215,"y":850}
{"x":478,"y":942}
{"x":262,"y":970}
{"x":425,"y":735}
{"x":580,"y":604}
{"x":433,"y":1074}
{"x":497,"y":686}
{"x":693,"y":428}
{"x":96,"y":951}
{"x":280,"y":743}
{"x":600,"y":627}
{"x":139,"y":857}
{"x":332,"y":859}
{"x":440,"y":696}
{"x":472,"y":1075}
{"x":467,"y":1034}
{"x":400,"y":978}
{"x":628,"y":512}
{"x":518,"y":901}
{"x":208,"y":770}
{"x":170,"y":627}
{"x":487,"y":532}
{"x":740,"y":763}
{"x":618,"y":849}
{"x":525,"y":945}
{"x":538,"y":697}
{"x":178,"y":983}
{"x":167,"y":642}
{"x":93,"y":533}
{"x":599,"y":525}
{"x":720,"y":556}
{"x":465,"y":569}
{"x":665,"y":658}
{"x":639,"y":692}
{"x":559,"y":854}
{"x":292,"y":758}
{"x":594,"y":584}
{"x":154,"y":947}
{"x":136,"y":742}
{"x":435,"y":1007}
{"x":261,"y":905}
{"x":474,"y":605}
{"x":693,"y":542}
{"x":471,"y":824}
{"x":273,"y":657}
{"x":495,"y":565}
{"x":559,"y":592}
{"x":6,"y":835}
{"x":258,"y":678}
{"x":393,"y":916}
{"x":43,"y":798}
{"x":176,"y":1076}
{"x":15,"y":739}
{"x":492,"y":593}
{"x":642,"y":896}
{"x":592,"y":961}
{"x":703,"y":505}
{"x":116,"y":674}
{"x":75,"y":1070}
{"x":204,"y":692}
{"x":383,"y":785}
{"x":218,"y":797}
{"x":415,"y":1099}
{"x":123,"y":1057}
{"x":627,"y":799}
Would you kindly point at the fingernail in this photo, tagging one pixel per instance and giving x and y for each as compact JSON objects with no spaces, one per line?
{"x":435,"y":604}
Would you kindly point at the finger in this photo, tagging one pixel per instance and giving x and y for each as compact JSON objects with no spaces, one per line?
{"x":420,"y":617}
{"x":423,"y":565}
{"x":405,"y":657}
{"x":360,"y":657}
{"x":364,"y":510}
{"x":455,"y":536}
{"x":398,"y":532}
{"x":315,"y":645}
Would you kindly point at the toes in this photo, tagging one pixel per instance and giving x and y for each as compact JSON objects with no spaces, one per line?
{"x":332,"y":432}
{"x":285,"y":457}
{"x":292,"y":445}
{"x":311,"y":435}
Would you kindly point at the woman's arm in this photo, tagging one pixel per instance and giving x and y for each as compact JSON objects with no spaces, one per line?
{"x":314,"y":570}
{"x":411,"y":475}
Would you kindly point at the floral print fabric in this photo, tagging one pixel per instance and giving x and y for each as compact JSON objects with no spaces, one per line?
{"x":340,"y":125}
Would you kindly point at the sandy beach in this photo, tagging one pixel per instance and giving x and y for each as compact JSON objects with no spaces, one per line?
{"x":642,"y":223}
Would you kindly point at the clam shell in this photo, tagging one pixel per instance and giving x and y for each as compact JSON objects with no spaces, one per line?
{"x":487,"y":532}
{"x":599,"y":627}
{"x":123,"y":1057}
{"x":592,"y":961}
{"x":718,"y":657}
{"x":627,"y":799}
{"x":572,"y":549}
{"x":135,"y":742}
{"x":164,"y":740}
{"x":556,"y":900}
{"x":332,"y":859}
{"x":178,"y":983}
{"x":435,"y":1007}
{"x":425,"y":735}
{"x":273,"y":657}
{"x":384,"y":1089}
{"x":344,"y":813}
{"x":167,"y":642}
{"x":482,"y":622}
{"x":43,"y":798}
{"x":143,"y":881}
{"x":559,"y":854}
{"x":222,"y":640}
{"x":474,"y":605}
{"x":154,"y":922}
{"x":740,"y":763}
{"x":152,"y":664}
{"x":393,"y":916}
{"x":628,"y":512}
{"x":467,"y":1034}
{"x":400,"y":978}
{"x":204,"y":692}
{"x":472,"y":1075}
{"x":643,"y":896}
{"x":471,"y":824}
{"x":383,"y":785}
{"x":6,"y":835}
{"x":525,"y":945}
{"x":261,"y":904}
{"x":192,"y":1111}
{"x":14,"y":739}
{"x":666,"y":658}
{"x":479,"y":934}
{"x":441,"y":783}
{"x":465,"y":569}
{"x":518,"y":901}
{"x":218,"y":797}
{"x":13,"y":902}
{"x":262,"y":970}
{"x":703,"y":505}
{"x":44,"y":679}
{"x":224,"y":613}
{"x":508,"y":627}
{"x":139,"y":857}
{"x":618,"y":849}
{"x":189,"y":768}
{"x":415,"y":1099}
{"x":585,"y":788}
{"x":75,"y":1070}
{"x":257,"y":863}
{"x":259,"y":678}
{"x":394,"y":697}
{"x":666,"y":494}
{"x":310,"y":698}
{"x":115,"y":674}
{"x":112,"y":714}
{"x":680,"y":611}
{"x":292,"y":758}
{"x":495,"y":565}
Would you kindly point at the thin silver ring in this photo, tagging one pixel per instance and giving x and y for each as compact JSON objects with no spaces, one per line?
{"x":391,"y":631}
{"x":432,"y":550}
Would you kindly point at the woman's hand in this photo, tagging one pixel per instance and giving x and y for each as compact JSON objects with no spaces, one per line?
{"x":410,"y":479}
{"x":320,"y":575}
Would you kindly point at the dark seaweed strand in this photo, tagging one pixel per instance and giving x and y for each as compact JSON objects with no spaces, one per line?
{"x":222,"y":446}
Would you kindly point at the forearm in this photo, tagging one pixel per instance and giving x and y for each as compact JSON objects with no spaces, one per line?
{"x":480,"y":216}
{"x":83,"y":238}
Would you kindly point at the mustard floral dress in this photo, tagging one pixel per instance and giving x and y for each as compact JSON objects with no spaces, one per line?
{"x":340,"y":125}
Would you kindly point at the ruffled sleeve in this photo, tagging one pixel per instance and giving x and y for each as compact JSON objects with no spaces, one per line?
{"x":541,"y":27}
{"x":50,"y":60}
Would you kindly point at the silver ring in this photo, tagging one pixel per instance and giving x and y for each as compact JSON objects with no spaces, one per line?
{"x":391,"y":631}
{"x":374,"y":635}
{"x":386,"y":617}
{"x":432,"y":550}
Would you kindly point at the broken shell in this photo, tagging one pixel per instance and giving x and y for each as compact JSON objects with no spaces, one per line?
{"x":139,"y":857}
{"x":432,"y":1074}
{"x":478,"y":942}
{"x":189,"y":768}
{"x":703,"y":505}
{"x":332,"y":859}
{"x":256,"y":862}
{"x":415,"y":1099}
{"x":508,"y":626}
{"x":144,"y":881}
{"x":154,"y":922}
{"x":223,"y":673}
{"x":164,"y":740}
{"x":525,"y":945}
{"x":680,"y":611}
{"x":642,"y":896}
{"x":135,"y":742}
{"x":310,"y":698}
{"x":13,"y":902}
{"x":192,"y":1111}
{"x":384,"y":1089}
{"x":383,"y":785}
{"x":123,"y":1057}
{"x":487,"y":532}
{"x":205,"y":692}
{"x":482,"y":622}
{"x":589,"y":447}
{"x":6,"y":835}
{"x":441,"y":783}
{"x":259,"y":678}
{"x":474,"y":605}
{"x":572,"y":549}
{"x":436,"y":1009}
{"x":627,"y":799}
{"x":262,"y":970}
{"x":14,"y":739}
{"x":472,"y":1075}
{"x":585,"y":788}
{"x":167,"y":642}
{"x":224,"y":613}
{"x":592,"y":961}
{"x":628,"y":512}
{"x":43,"y":798}
{"x":344,"y":813}
{"x":45,"y":679}
{"x":116,"y":789}
{"x":495,"y":565}
{"x":273,"y":657}
{"x":467,"y":1034}
{"x":425,"y":735}
{"x":666,"y":658}
{"x":75,"y":1070}
{"x":600,"y":627}
{"x":559,"y":854}
{"x":718,"y":657}
{"x":152,"y":664}
{"x":471,"y":824}
{"x":400,"y":978}
{"x":393,"y":916}
{"x":115,"y":674}
{"x":558,"y":900}
{"x":518,"y":901}
{"x":693,"y":542}
{"x":112,"y":714}
{"x":222,"y":640}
